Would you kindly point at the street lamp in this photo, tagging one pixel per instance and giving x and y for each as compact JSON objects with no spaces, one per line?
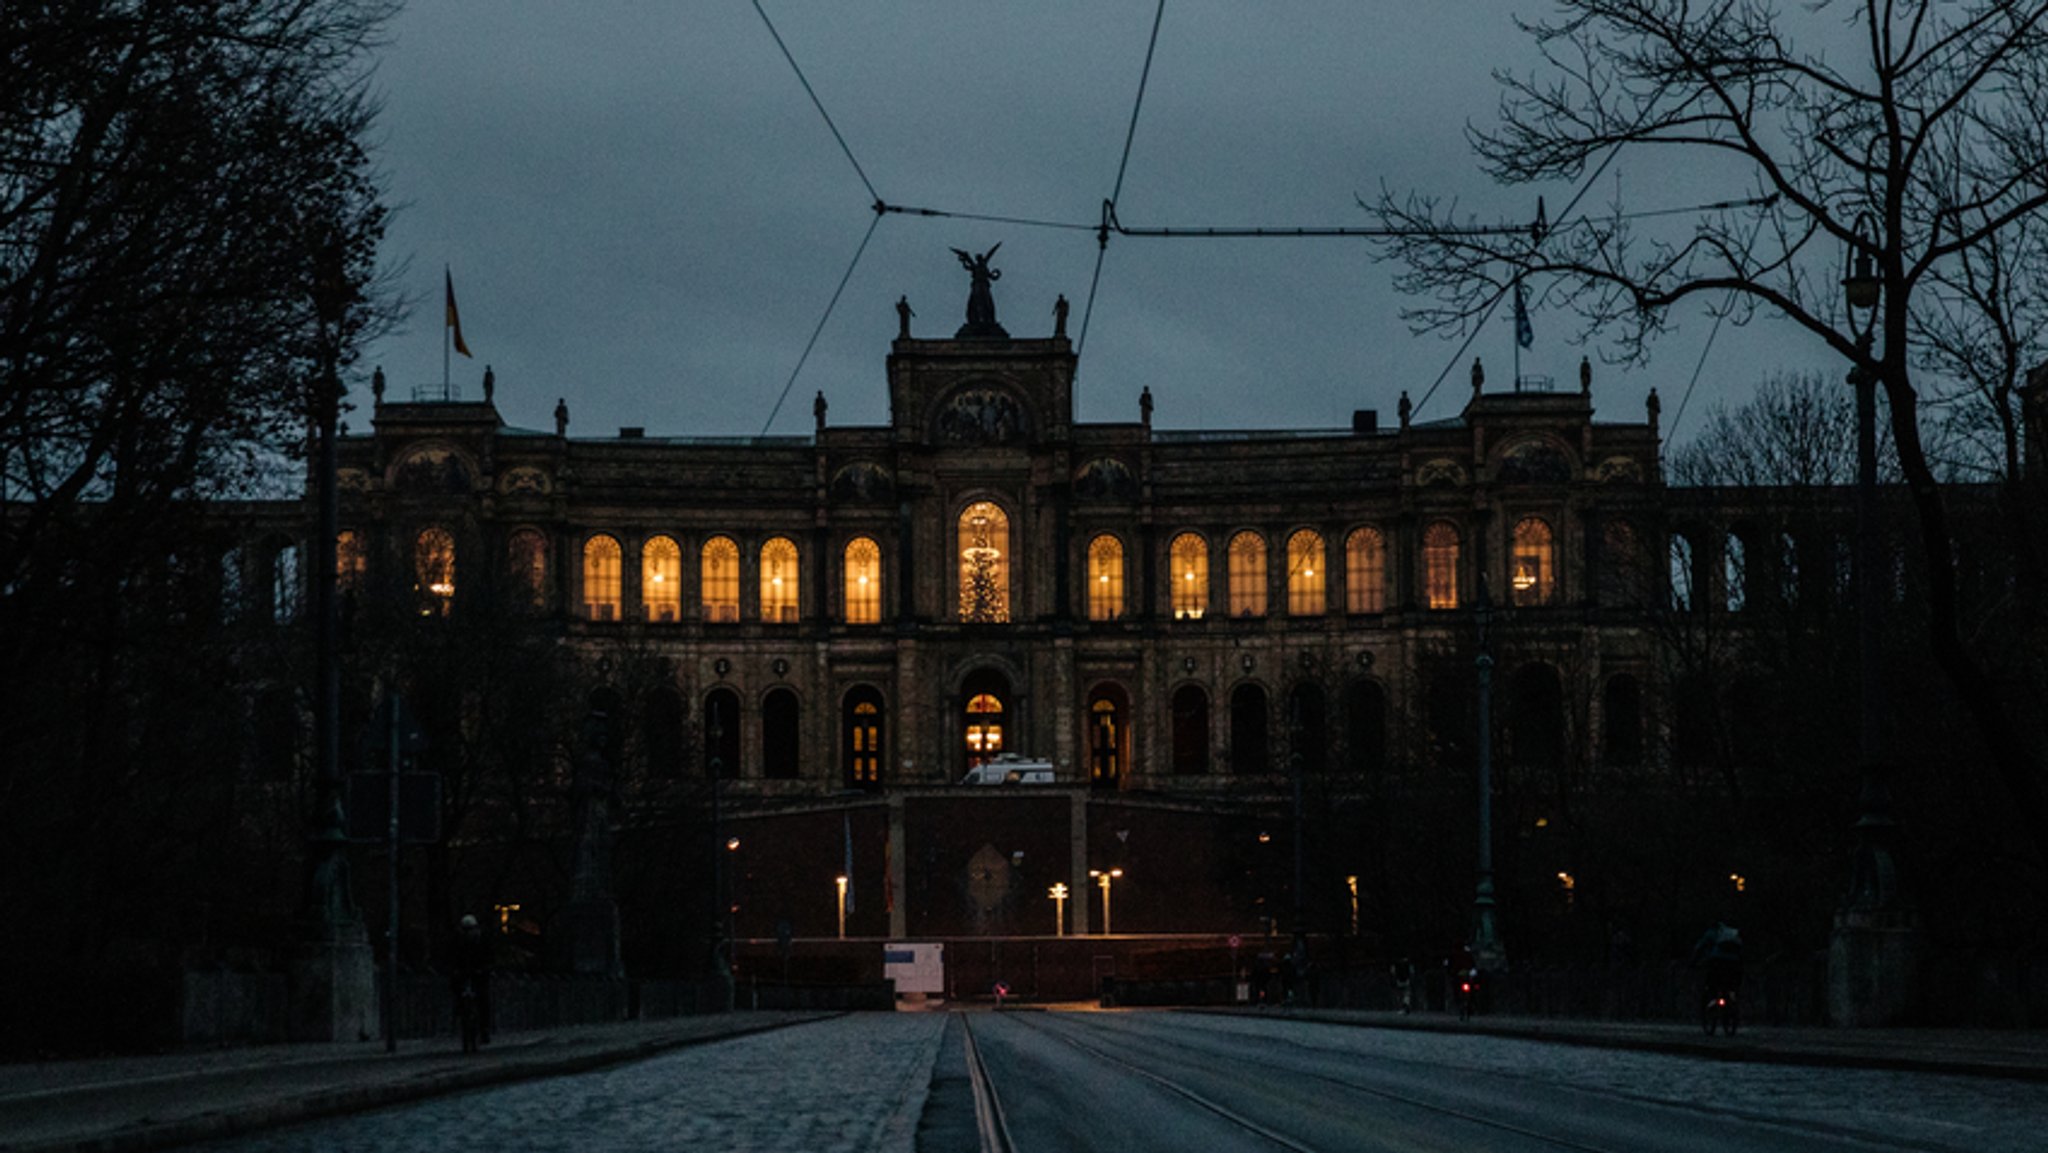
{"x":840,"y":881}
{"x":1103,"y":879}
{"x":1058,"y":893}
{"x":1487,"y":953}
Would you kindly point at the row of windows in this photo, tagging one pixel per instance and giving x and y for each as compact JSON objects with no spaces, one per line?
{"x":984,"y":573}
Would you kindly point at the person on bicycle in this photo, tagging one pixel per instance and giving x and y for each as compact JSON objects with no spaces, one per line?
{"x":1720,"y":951}
{"x":473,"y":968}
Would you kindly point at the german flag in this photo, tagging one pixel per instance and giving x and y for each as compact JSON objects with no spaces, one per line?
{"x":454,"y":321}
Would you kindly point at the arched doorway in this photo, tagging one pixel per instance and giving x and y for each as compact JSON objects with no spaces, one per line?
{"x":780,"y":726}
{"x":1190,"y":731}
{"x":860,"y":738}
{"x":1248,"y":729}
{"x":722,"y":734}
{"x":1109,"y":737}
{"x":984,"y":716}
{"x":1309,"y":724}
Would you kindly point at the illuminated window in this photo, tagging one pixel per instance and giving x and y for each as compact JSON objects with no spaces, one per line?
{"x":1247,"y":575}
{"x":1190,"y":557}
{"x":863,"y":582}
{"x":984,"y":564}
{"x":779,"y":581}
{"x":602,"y":560}
{"x":661,"y":579}
{"x":1105,"y":742}
{"x":1105,"y":578}
{"x":1365,"y":571}
{"x":720,"y":587}
{"x":984,"y":728}
{"x":1440,"y":544}
{"x":433,"y":571}
{"x":861,"y":739}
{"x":526,"y":562}
{"x":351,"y":561}
{"x":1532,"y":575}
{"x":1305,"y":579}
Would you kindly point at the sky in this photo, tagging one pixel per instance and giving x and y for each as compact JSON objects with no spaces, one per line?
{"x":644,"y":214}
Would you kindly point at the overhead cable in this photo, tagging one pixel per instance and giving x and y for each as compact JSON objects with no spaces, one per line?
{"x":829,"y":305}
{"x":1116,"y":190}
{"x":819,"y":104}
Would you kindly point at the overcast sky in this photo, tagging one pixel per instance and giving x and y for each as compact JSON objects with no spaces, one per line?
{"x":645,"y":215}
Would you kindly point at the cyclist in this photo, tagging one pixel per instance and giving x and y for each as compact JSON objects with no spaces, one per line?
{"x":473,"y":967}
{"x":1719,"y":951}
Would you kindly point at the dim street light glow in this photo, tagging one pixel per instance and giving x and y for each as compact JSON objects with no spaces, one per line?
{"x":841,"y":882}
{"x":1103,"y":879}
{"x":1058,"y":893}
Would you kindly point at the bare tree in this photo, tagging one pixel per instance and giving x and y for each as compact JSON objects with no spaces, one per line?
{"x":1908,"y":139}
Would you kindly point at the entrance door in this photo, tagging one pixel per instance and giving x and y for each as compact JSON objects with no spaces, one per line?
{"x":984,"y":717}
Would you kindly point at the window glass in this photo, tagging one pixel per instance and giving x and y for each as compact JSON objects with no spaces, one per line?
{"x":1440,"y":545}
{"x":863,"y":582}
{"x":433,"y":567}
{"x":1247,"y":575}
{"x":661,"y":579}
{"x":720,"y":580}
{"x":1105,"y":578}
{"x":602,"y":577}
{"x":1305,"y":579}
{"x":1190,"y":556}
{"x":984,"y":564}
{"x":779,"y":602}
{"x":1365,"y":571}
{"x":1532,"y":574}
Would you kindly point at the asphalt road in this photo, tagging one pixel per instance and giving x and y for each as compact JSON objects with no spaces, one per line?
{"x":1128,"y":1082}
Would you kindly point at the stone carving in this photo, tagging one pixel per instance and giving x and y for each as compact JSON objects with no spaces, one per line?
{"x":1533,"y":462}
{"x":1106,"y":478}
{"x":981,"y":303}
{"x":1618,"y":469}
{"x":1442,"y":470}
{"x":431,"y":469}
{"x":982,"y":416}
{"x":863,"y":481}
{"x":522,"y":481}
{"x":352,"y":480}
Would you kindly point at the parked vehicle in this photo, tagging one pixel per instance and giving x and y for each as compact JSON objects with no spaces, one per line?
{"x":1011,"y":769}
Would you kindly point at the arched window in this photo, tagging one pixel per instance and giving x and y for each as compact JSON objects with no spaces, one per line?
{"x":1440,"y":545}
{"x":1365,"y":571}
{"x":860,"y":738}
{"x":1248,"y":730}
{"x":1247,"y":557}
{"x":779,"y":589}
{"x":1190,"y":557}
{"x":722,"y":734}
{"x":433,"y":571}
{"x":1533,"y":575}
{"x":1190,"y":731}
{"x":1621,"y":722}
{"x":526,"y":563}
{"x":351,"y":561}
{"x":1536,"y":718}
{"x":984,"y":728}
{"x":1788,"y":569}
{"x":1308,"y":724}
{"x":984,"y":564}
{"x":1448,"y":705}
{"x":1681,"y":573}
{"x":662,"y":732}
{"x":234,"y":576}
{"x":1105,"y":578}
{"x":1734,"y":573}
{"x":661,"y":579}
{"x":1365,"y":726}
{"x":1108,"y":739}
{"x":286,"y":589}
{"x":719,"y":580}
{"x":602,"y":559}
{"x":863,"y":581}
{"x":1621,"y":565}
{"x":780,"y":729}
{"x":1305,"y":578}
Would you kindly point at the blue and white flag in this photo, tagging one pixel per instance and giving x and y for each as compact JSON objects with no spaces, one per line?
{"x":1524,"y":335}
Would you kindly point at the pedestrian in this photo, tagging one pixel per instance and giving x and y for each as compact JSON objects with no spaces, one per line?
{"x":473,"y":967}
{"x":1403,"y":973}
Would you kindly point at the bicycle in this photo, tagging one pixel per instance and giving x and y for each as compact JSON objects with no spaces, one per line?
{"x":1718,"y":1010}
{"x":1468,"y":992}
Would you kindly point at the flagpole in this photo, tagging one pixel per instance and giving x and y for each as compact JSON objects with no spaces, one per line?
{"x":1521,"y":315}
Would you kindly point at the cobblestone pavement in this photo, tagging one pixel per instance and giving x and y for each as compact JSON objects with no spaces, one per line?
{"x":1926,"y":1110}
{"x":855,"y":1083}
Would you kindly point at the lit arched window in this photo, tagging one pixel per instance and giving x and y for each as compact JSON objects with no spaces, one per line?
{"x":1105,"y":578}
{"x":1247,"y":556}
{"x":1305,"y":580}
{"x":1365,"y":571}
{"x":984,"y":728}
{"x":661,"y":579}
{"x":1190,"y":557}
{"x":433,"y":571}
{"x":526,"y":560}
{"x":1440,"y":545}
{"x":720,"y":580}
{"x":861,"y":738}
{"x":1734,"y":574}
{"x":351,"y":561}
{"x":984,"y":564}
{"x":1533,"y":576}
{"x":863,"y":582}
{"x":601,"y":578}
{"x":778,"y":581}
{"x":1106,"y":737}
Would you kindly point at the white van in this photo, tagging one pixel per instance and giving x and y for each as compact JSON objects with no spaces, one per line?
{"x":1010,"y":769}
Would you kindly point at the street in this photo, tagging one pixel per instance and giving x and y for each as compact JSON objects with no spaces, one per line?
{"x":1130,"y":1081}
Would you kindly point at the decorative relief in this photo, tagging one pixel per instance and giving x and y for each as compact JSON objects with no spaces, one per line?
{"x":982,"y":416}
{"x":1106,"y":478}
{"x":525,"y":481}
{"x":1534,"y":462}
{"x":862,"y":481}
{"x":1442,"y":470}
{"x":431,"y":469}
{"x":1619,"y":470}
{"x":352,"y":480}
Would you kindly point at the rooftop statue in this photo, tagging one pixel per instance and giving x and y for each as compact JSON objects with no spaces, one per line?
{"x":981,"y":306}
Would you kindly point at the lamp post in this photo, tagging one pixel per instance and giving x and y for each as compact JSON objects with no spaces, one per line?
{"x":1058,"y":893}
{"x":1872,"y":951}
{"x":840,"y":881}
{"x":1103,"y":879}
{"x":1487,"y":953}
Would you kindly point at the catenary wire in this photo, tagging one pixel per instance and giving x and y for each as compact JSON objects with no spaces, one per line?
{"x":1709,"y":345}
{"x":1116,"y":190}
{"x":819,"y":104}
{"x":829,"y":305}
